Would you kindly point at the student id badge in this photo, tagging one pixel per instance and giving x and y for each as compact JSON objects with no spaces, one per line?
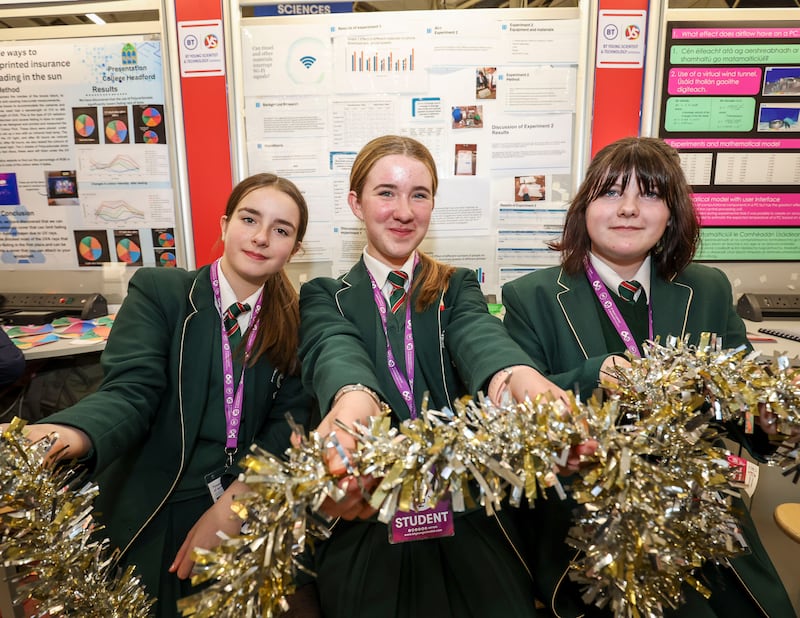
{"x":215,"y":481}
{"x":430,"y":523}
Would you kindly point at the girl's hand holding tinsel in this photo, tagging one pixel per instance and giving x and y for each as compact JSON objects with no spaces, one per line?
{"x":352,"y":407}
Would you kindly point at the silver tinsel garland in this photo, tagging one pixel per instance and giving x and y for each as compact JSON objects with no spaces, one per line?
{"x":655,"y":497}
{"x":48,"y":535}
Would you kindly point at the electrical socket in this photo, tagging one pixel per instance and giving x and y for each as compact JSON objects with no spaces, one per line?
{"x":756,"y":307}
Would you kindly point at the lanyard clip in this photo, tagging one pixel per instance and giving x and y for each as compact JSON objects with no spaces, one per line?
{"x":229,"y":453}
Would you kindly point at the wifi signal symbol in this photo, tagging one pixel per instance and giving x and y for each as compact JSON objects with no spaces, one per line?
{"x":308,"y":61}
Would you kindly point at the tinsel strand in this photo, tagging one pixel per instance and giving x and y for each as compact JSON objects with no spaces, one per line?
{"x":48,"y":534}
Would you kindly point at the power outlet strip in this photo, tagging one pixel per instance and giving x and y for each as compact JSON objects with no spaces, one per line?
{"x":757,"y":307}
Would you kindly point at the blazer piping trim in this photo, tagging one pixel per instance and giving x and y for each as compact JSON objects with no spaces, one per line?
{"x":441,"y":348}
{"x":183,"y":428}
{"x":688,"y":304}
{"x":567,"y":316}
{"x":558,"y":585}
{"x":339,"y":291}
{"x":511,"y":544}
{"x":747,"y":589}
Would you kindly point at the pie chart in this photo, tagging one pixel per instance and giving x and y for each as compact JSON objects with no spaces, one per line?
{"x":90,"y":248}
{"x":128,"y":251}
{"x":150,"y":137}
{"x":167,"y":259}
{"x":165,"y":239}
{"x":84,"y":125}
{"x":116,"y":132}
{"x":151,"y":117}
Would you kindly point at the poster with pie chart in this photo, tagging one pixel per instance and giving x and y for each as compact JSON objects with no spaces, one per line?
{"x":164,"y":246}
{"x":84,"y":125}
{"x":115,"y":123}
{"x":165,"y":258}
{"x":128,"y":247}
{"x":163,"y":238}
{"x":148,"y":122}
{"x":91,"y":247}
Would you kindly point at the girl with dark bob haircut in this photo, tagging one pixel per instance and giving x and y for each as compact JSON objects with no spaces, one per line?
{"x":627,"y":276}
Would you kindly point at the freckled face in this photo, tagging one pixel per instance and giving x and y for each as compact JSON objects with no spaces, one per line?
{"x":625,"y":226}
{"x":260,"y":237}
{"x":395,"y":205}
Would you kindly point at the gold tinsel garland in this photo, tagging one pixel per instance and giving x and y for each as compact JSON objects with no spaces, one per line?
{"x":655,"y":497}
{"x":47,"y":534}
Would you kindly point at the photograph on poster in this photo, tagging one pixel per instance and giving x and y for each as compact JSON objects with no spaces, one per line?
{"x":62,"y":188}
{"x":84,"y":125}
{"x":782,"y":81}
{"x":485,"y":83}
{"x":529,"y":188}
{"x":149,"y":124}
{"x":779,"y":117}
{"x":9,"y":193}
{"x":128,"y":247}
{"x":467,"y":117}
{"x":115,"y":119}
{"x":466,"y":159}
{"x":91,"y":247}
{"x":164,"y":247}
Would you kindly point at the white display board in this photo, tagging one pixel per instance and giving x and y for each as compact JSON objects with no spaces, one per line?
{"x":494,"y":94}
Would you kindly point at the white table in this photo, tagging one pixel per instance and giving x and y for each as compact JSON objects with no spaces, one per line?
{"x":780,"y":345}
{"x":64,"y":347}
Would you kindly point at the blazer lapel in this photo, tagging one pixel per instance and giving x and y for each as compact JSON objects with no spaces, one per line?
{"x":670,"y":301}
{"x":576,"y":299}
{"x":427,"y":349}
{"x":200,"y":346}
{"x":355,"y":302}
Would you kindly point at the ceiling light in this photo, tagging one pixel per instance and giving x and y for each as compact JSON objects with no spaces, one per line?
{"x":96,"y":19}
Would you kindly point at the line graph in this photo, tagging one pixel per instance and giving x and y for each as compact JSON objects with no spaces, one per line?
{"x":117,"y":211}
{"x":120,"y":164}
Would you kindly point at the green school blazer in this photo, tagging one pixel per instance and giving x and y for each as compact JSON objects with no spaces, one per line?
{"x":459,"y":346}
{"x":553,"y":317}
{"x":144,"y":419}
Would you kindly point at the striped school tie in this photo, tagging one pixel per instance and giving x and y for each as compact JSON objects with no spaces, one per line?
{"x":232,"y":324}
{"x":628,"y":289}
{"x":398,"y":294}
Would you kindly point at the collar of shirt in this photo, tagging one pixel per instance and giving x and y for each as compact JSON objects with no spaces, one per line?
{"x":380,"y":271}
{"x":227,"y":298}
{"x":612,"y":279}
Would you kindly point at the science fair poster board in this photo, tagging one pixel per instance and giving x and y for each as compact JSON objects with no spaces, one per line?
{"x":85,"y":174}
{"x":730,"y":104}
{"x":492,"y":93}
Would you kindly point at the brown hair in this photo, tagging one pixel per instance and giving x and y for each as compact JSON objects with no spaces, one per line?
{"x":433,"y":276}
{"x":279,"y":341}
{"x":658,"y":169}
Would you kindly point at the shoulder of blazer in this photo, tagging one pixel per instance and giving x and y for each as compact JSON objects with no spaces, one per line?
{"x":566,"y":281}
{"x":544,"y":278}
{"x":337,"y":288}
{"x":173,"y":288}
{"x":699,"y":274}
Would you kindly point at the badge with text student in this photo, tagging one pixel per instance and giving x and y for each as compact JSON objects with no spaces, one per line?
{"x":430,"y":523}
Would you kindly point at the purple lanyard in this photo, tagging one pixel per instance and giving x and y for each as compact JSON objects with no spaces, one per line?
{"x":610,"y":307}
{"x":404,"y":383}
{"x":233,"y":397}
